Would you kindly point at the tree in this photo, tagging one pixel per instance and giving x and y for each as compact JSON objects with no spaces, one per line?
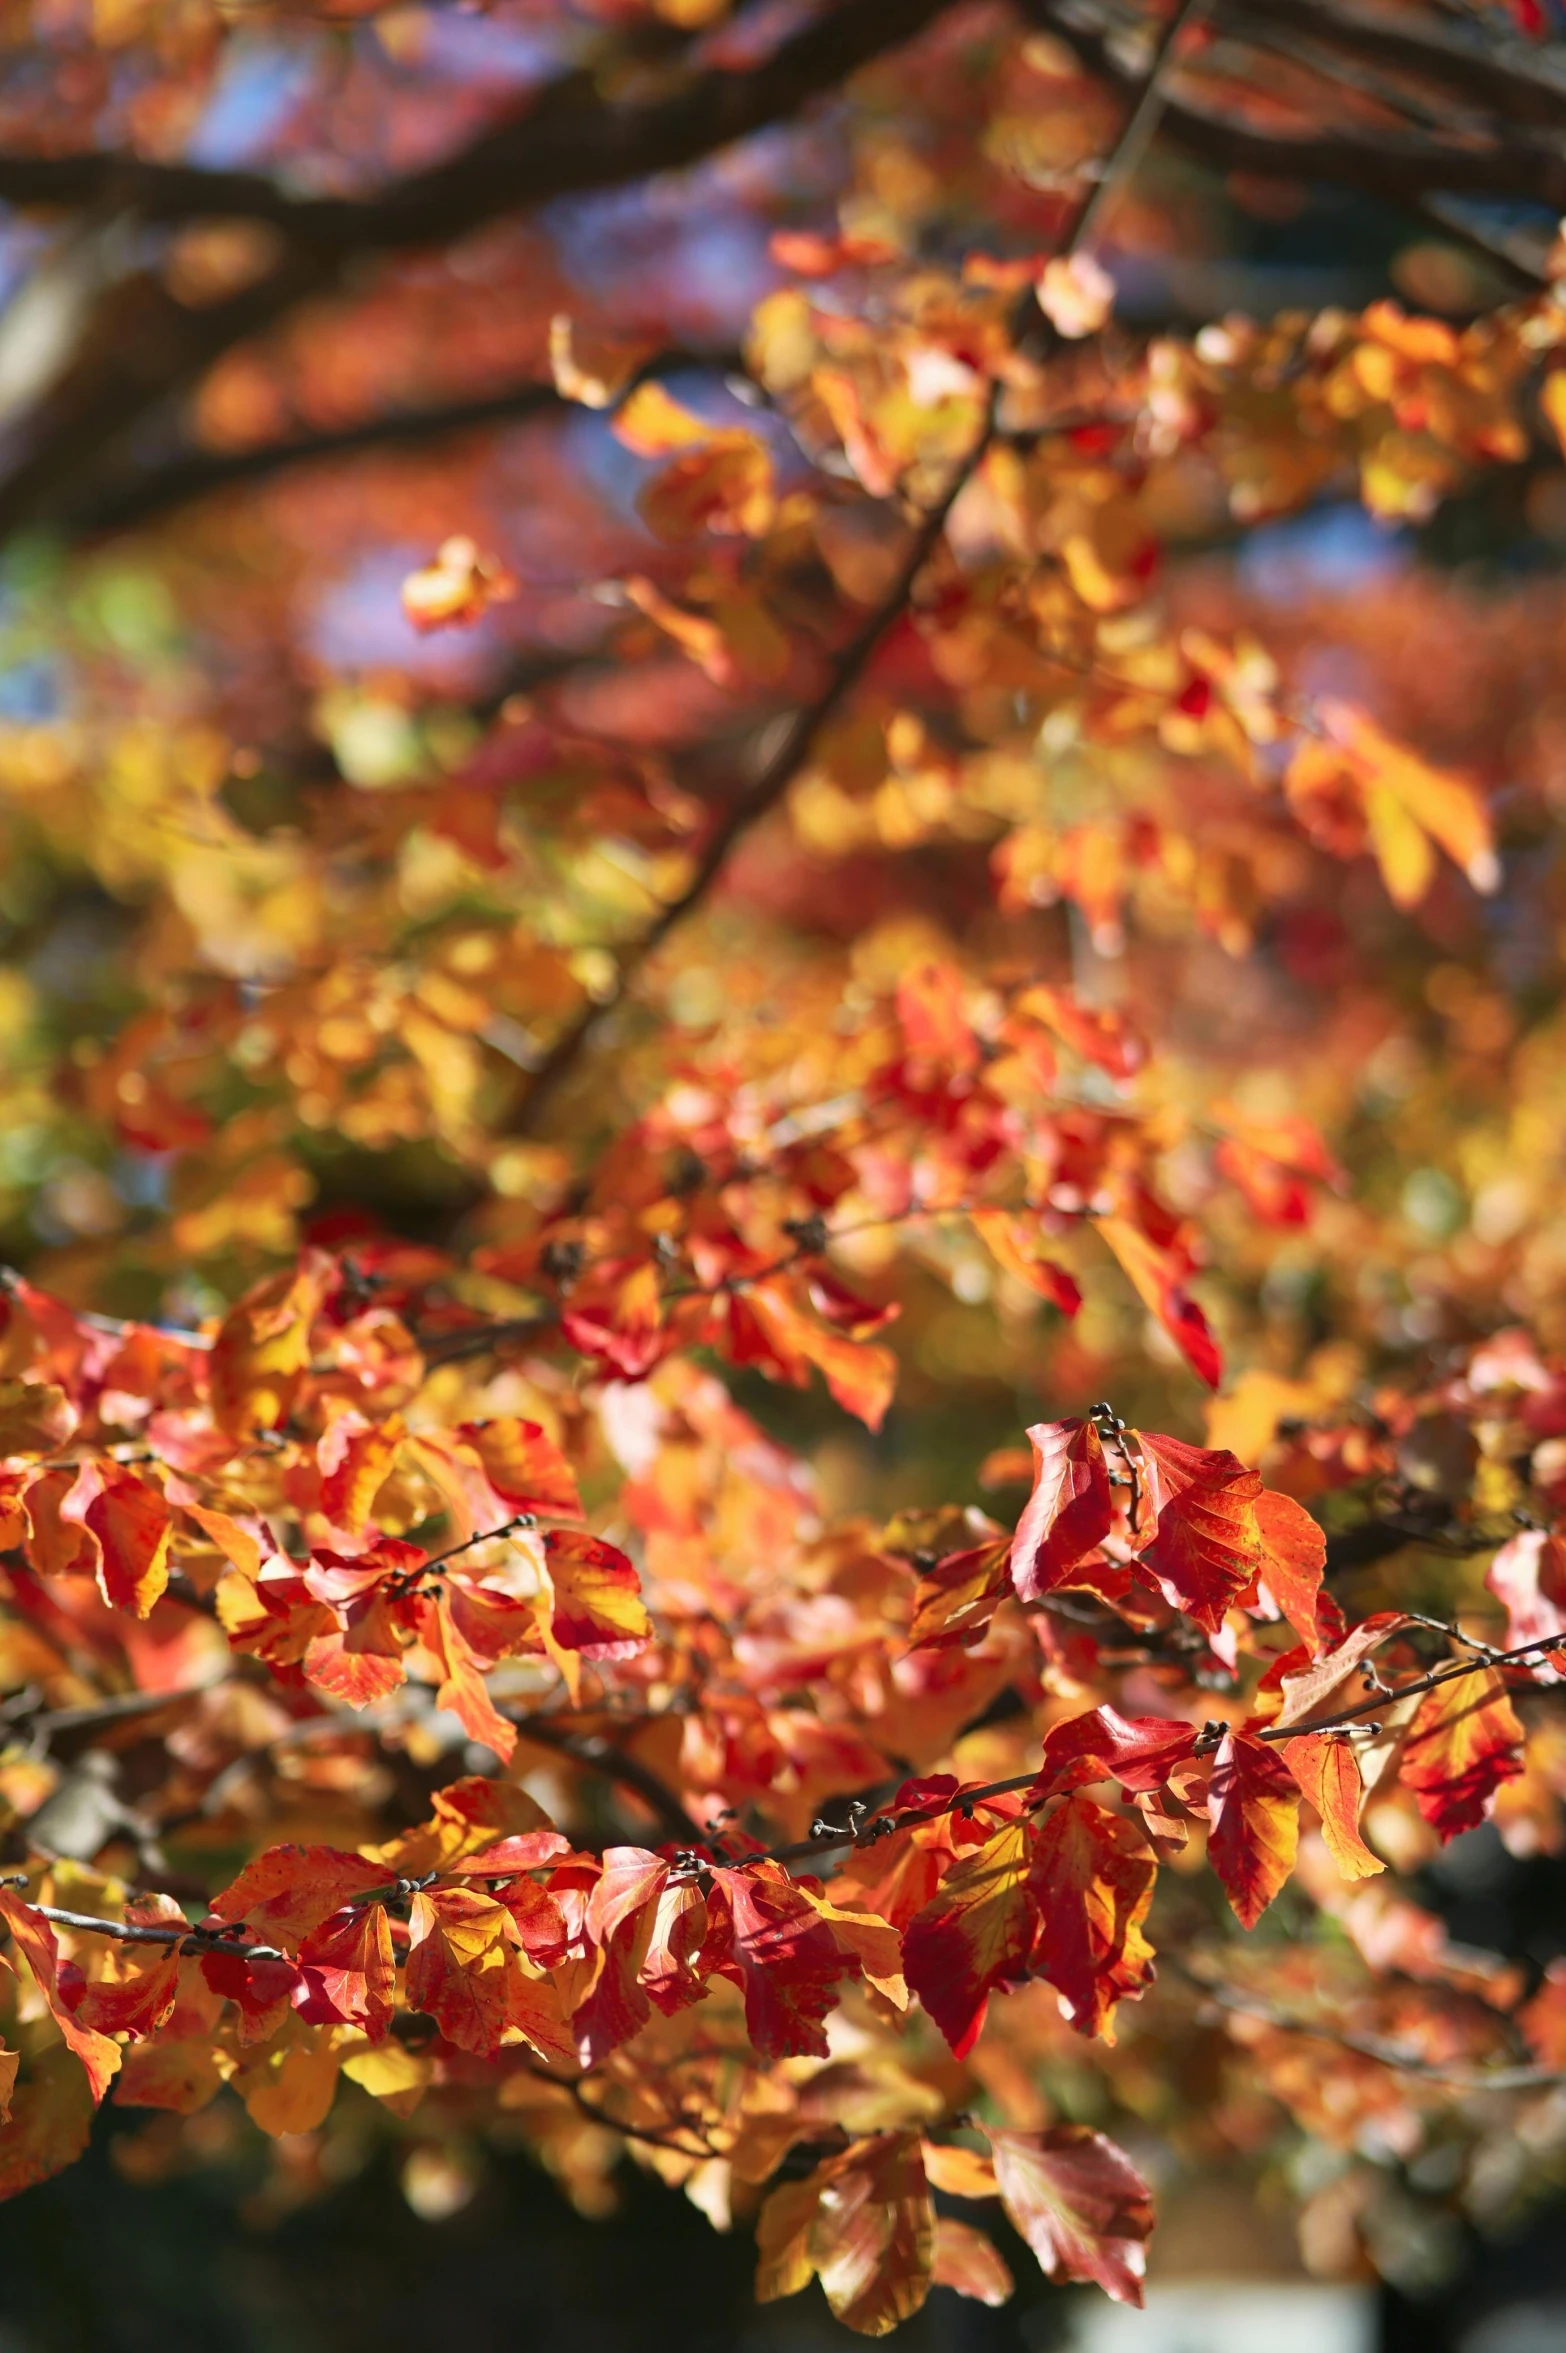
{"x":564,"y":1127}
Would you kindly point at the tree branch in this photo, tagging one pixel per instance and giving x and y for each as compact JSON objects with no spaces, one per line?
{"x":1474,"y":2079}
{"x":564,"y":140}
{"x":1399,"y":168}
{"x":200,"y":472}
{"x":851,"y":663}
{"x":1520,"y":86}
{"x":594,"y":1754}
{"x":142,"y":348}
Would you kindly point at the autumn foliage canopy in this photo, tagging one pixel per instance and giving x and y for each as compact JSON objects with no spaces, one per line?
{"x":784,"y":1391}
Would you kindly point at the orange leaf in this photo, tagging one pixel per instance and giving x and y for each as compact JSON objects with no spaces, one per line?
{"x":1010,"y":1241}
{"x":967,"y":2261}
{"x":1552,"y":399}
{"x":461,"y":1963}
{"x":355,"y":1458}
{"x":289,"y":1891}
{"x":1327,"y":1770}
{"x":258,"y":1360}
{"x":957,"y":1597}
{"x":934,"y":1019}
{"x":1464,"y":1742}
{"x":598,"y":1607}
{"x":1405,"y":796}
{"x":864,"y":2221}
{"x":1206,"y":1546}
{"x":463,"y":1688}
{"x":975,"y":1934}
{"x":874,"y":2235}
{"x":457,"y":587}
{"x":860,"y":1375}
{"x":524,"y":1466}
{"x":1158,"y":1282}
{"x":35,"y":1419}
{"x":960,"y":2172}
{"x":1092,"y":1879}
{"x":1253,"y":1804}
{"x":1070,"y":1511}
{"x":1294,"y":1558}
{"x":1080,"y":2203}
{"x":130,"y":1528}
{"x":1098,"y":1033}
{"x":50,"y":2122}
{"x":724,"y":485}
{"x":1543,"y":2020}
{"x":652,"y":422}
{"x":35,"y":1941}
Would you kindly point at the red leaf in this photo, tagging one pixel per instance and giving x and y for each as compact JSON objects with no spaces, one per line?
{"x":1158,"y":1279}
{"x":35,"y":1941}
{"x":1070,"y":1511}
{"x":1140,"y":1752}
{"x":975,"y":1934}
{"x":135,"y":2004}
{"x":1253,"y":1804}
{"x":350,"y":1972}
{"x":1206,"y":1546}
{"x":257,"y":1986}
{"x":1464,"y":1742}
{"x":785,"y":1960}
{"x":1080,"y":2203}
{"x":1092,"y":1879}
{"x":618,"y":1314}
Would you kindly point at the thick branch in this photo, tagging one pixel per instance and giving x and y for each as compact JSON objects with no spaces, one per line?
{"x":563,"y":141}
{"x":142,"y":348}
{"x":198,"y":473}
{"x":1519,"y":86}
{"x":1401,"y":168}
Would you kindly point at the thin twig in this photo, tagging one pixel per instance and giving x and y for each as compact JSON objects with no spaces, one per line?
{"x":776,"y":776}
{"x":594,"y":1754}
{"x":633,"y":2132}
{"x":1243,"y":2005}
